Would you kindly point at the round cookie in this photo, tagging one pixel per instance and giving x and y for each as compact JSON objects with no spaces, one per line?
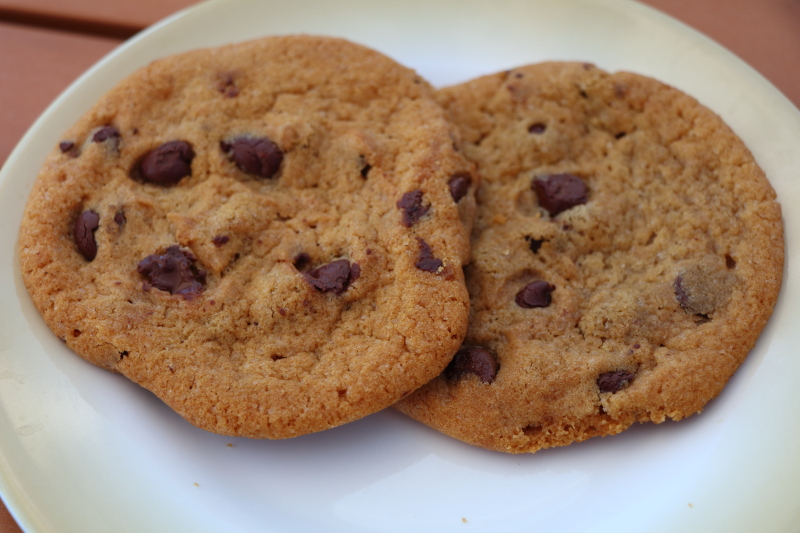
{"x":268,"y":235}
{"x":627,"y":253}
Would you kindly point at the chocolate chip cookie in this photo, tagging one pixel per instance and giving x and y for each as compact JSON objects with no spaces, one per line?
{"x":269,"y":235}
{"x":627,"y":253}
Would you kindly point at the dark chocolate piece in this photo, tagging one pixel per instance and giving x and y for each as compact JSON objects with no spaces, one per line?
{"x":254,"y":155}
{"x":173,"y":271}
{"x":168,"y":164}
{"x":83,"y":234}
{"x":559,"y":192}
{"x":220,"y":240}
{"x":334,"y":277}
{"x":701,"y":289}
{"x":69,"y":148}
{"x":459,"y":186}
{"x":426,"y":261}
{"x":537,"y":128}
{"x":227,"y":85}
{"x":107,"y":133}
{"x":411,"y":205}
{"x":119,"y":218}
{"x":473,"y":360}
{"x":680,"y":293}
{"x":614,"y":381}
{"x":535,"y":294}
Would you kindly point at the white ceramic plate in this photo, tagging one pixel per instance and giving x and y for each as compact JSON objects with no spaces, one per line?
{"x":85,"y":451}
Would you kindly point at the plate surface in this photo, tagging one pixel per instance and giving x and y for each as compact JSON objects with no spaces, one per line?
{"x":85,"y":451}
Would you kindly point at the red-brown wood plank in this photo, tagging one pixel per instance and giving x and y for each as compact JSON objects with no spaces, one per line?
{"x":114,"y":18}
{"x":764,"y":33}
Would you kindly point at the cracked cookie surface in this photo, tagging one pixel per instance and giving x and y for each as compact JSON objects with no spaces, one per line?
{"x":223,"y":228}
{"x":627,"y":253}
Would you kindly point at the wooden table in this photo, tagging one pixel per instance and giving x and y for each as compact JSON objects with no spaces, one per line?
{"x":46,"y":44}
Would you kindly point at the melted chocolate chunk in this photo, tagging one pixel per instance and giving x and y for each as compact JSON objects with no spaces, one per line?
{"x":459,"y":186}
{"x":220,"y":240}
{"x":614,"y":381}
{"x":426,"y":261}
{"x":680,"y":293}
{"x":119,"y":218}
{"x":83,"y":234}
{"x":704,"y":287}
{"x":227,"y":85}
{"x":258,"y":156}
{"x":535,"y":294}
{"x":473,"y":360}
{"x":334,"y":277}
{"x":69,"y":148}
{"x":107,"y":133}
{"x":413,"y":210}
{"x":173,"y":271}
{"x":537,"y":128}
{"x":168,"y":164}
{"x":559,"y":192}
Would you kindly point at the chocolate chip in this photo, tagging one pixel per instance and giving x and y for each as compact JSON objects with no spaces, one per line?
{"x":473,"y":360}
{"x":680,"y":292}
{"x":107,"y":133}
{"x":83,"y":234}
{"x":426,"y":261}
{"x":119,"y":218}
{"x":534,"y":244}
{"x":219,"y":240}
{"x":227,"y":85}
{"x":537,"y":128}
{"x":254,"y":155}
{"x":459,"y":186}
{"x":173,"y":271}
{"x":334,"y":277}
{"x":167,"y":164}
{"x":614,"y":381}
{"x":69,"y":148}
{"x":704,"y":287}
{"x":559,"y":192}
{"x":413,"y":210}
{"x":535,"y":294}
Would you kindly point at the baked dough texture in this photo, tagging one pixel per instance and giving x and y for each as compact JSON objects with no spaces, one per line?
{"x":627,"y":253}
{"x":268,"y":235}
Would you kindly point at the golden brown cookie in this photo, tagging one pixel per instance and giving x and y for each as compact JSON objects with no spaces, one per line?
{"x":269,"y":235}
{"x":627,"y":253}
